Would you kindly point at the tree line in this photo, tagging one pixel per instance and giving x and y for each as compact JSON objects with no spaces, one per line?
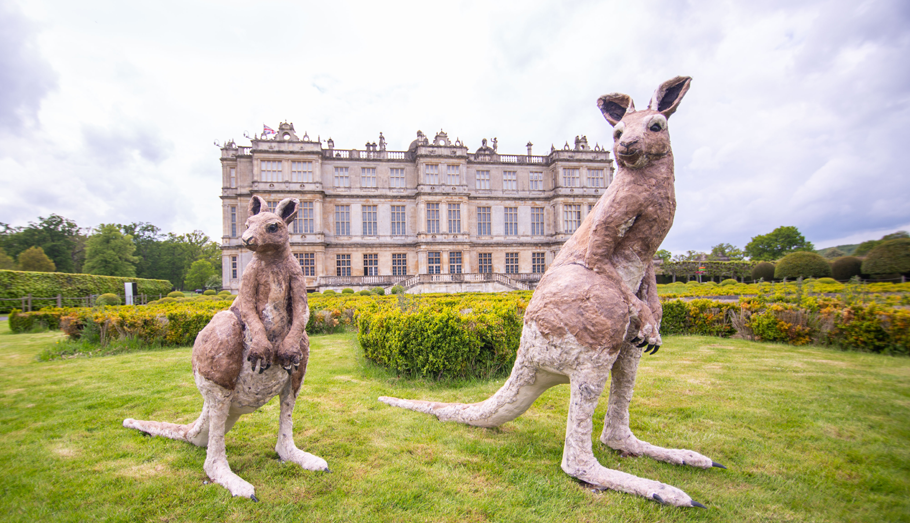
{"x":140,"y":250}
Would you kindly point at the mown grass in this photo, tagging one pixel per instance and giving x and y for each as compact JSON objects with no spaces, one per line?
{"x":808,"y":434}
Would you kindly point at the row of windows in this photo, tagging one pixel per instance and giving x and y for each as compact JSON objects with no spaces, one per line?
{"x":307,"y":261}
{"x":434,"y":263}
{"x":271,"y":171}
{"x":305,"y":222}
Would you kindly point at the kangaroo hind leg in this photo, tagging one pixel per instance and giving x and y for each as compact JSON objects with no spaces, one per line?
{"x":578,"y":457}
{"x":616,"y":432}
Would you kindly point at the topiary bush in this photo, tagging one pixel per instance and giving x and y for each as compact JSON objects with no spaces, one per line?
{"x":729,"y":281}
{"x":108,"y":299}
{"x":378,"y":291}
{"x":397,"y":289}
{"x":763,"y":271}
{"x":176,"y":294}
{"x":167,"y":299}
{"x":826,"y":281}
{"x":347,"y":291}
{"x":329,"y":292}
{"x":889,"y":257}
{"x":846,"y":267}
{"x":209,"y":292}
{"x":802,"y":264}
{"x":224,"y":292}
{"x":365,"y":293}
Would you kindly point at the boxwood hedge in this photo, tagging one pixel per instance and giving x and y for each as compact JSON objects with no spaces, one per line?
{"x":16,"y":284}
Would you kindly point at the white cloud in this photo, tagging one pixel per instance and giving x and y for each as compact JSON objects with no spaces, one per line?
{"x":796,"y":115}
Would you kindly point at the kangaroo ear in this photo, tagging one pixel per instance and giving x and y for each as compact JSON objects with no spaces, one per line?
{"x":614,"y":106}
{"x":287,"y":208}
{"x":667,"y":97}
{"x":257,"y":204}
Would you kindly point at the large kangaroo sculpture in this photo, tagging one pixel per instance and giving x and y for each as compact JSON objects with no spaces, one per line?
{"x":596,"y":308}
{"x":265,"y":325}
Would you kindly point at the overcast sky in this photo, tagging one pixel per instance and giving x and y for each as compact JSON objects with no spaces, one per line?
{"x":798,"y":112}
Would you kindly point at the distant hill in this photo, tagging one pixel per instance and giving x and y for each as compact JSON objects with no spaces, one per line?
{"x":848,"y":250}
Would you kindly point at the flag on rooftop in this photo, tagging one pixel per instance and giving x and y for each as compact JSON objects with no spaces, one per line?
{"x":266,"y":130}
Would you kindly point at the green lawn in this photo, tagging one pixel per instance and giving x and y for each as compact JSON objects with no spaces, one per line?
{"x":808,"y":434}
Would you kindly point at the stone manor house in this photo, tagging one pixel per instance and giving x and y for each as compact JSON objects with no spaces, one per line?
{"x":434,"y":218}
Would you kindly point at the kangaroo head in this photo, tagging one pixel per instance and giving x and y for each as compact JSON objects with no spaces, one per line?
{"x":268,"y":231}
{"x":640,"y":137}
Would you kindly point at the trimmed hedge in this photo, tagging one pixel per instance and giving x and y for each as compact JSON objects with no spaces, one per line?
{"x":763,"y":271}
{"x":846,"y":267}
{"x":802,"y":264}
{"x":454,"y":341}
{"x":890,"y":257}
{"x":16,"y":284}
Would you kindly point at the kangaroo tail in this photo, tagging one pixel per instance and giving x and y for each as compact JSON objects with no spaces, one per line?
{"x":525,"y":385}
{"x":195,"y":432}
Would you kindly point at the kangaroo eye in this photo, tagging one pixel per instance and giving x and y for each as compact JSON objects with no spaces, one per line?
{"x":618,"y":129}
{"x":658,"y":123}
{"x":272,"y":227}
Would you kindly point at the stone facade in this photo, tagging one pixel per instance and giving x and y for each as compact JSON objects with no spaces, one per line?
{"x":434,"y":218}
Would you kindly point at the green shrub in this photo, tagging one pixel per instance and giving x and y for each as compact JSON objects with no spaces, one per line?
{"x":826,"y":280}
{"x":167,"y":299}
{"x":692,"y":282}
{"x":844,"y":268}
{"x":20,"y":322}
{"x":802,"y":264}
{"x":209,"y":292}
{"x":397,"y":289}
{"x":378,"y":291}
{"x":176,"y":294}
{"x":365,"y":293}
{"x":347,"y":291}
{"x":107,"y":299}
{"x":442,"y":341}
{"x":224,"y":292}
{"x":16,"y":284}
{"x":763,"y":271}
{"x":889,"y":257}
{"x":329,"y":292}
{"x":729,"y":281}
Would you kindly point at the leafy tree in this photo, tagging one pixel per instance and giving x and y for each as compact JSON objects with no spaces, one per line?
{"x":109,"y":253}
{"x":6,"y":263}
{"x":725,"y":250}
{"x":199,"y":273}
{"x":61,"y":239}
{"x":688,"y":256}
{"x":34,"y":259}
{"x":889,"y":257}
{"x":777,"y":243}
{"x":147,"y":238}
{"x":663,"y":254}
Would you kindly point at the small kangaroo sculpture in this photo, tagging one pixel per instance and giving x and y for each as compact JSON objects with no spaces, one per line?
{"x":596,"y":308}
{"x":265,"y":325}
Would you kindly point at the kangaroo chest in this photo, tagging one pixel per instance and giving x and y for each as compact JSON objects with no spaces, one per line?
{"x":272,"y":305}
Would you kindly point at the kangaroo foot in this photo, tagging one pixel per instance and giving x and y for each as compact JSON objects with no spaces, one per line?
{"x":602,"y":477}
{"x":632,"y":446}
{"x":220,"y":473}
{"x":304,"y":459}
